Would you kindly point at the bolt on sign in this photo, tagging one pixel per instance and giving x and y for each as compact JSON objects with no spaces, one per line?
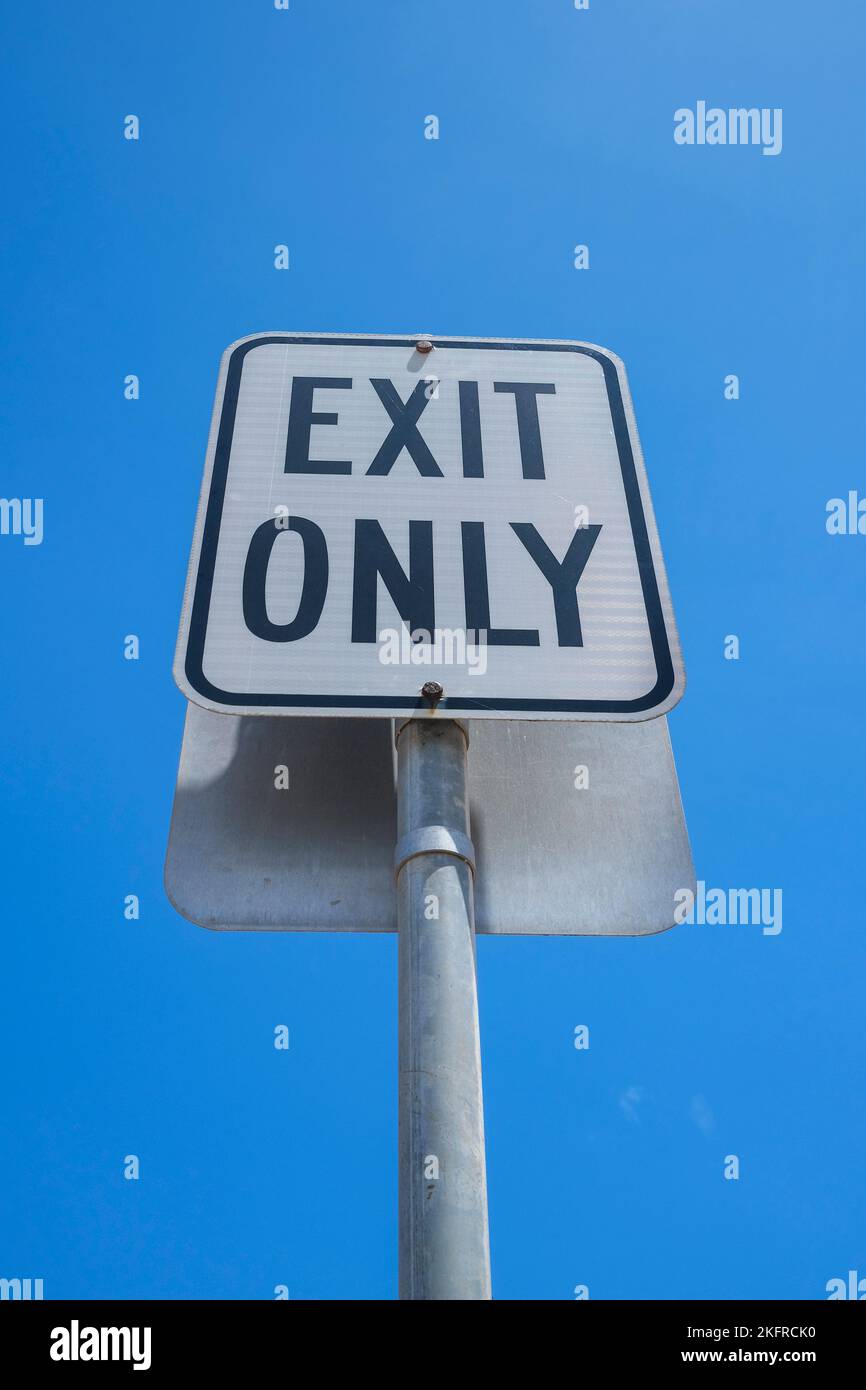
{"x":378,"y":512}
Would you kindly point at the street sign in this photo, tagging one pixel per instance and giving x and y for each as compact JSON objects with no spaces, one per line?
{"x":377,"y":513}
{"x":457,"y":537}
{"x":290,"y":825}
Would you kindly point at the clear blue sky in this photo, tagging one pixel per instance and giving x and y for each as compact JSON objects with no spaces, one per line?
{"x":154,"y":1037}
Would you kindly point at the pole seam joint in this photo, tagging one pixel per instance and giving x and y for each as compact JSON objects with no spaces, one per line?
{"x":434,"y":839}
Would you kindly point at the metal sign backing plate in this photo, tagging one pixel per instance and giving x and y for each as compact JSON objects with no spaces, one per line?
{"x":578,"y":828}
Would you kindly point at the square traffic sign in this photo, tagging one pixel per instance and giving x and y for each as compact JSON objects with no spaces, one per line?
{"x":377,"y":513}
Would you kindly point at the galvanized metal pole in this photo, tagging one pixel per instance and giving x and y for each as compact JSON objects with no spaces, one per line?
{"x":444,"y":1243}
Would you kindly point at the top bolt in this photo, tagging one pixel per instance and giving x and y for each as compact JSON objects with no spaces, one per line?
{"x":423,"y":345}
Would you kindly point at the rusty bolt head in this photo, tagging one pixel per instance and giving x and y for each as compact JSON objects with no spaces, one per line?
{"x":423,"y":346}
{"x":432,"y":691}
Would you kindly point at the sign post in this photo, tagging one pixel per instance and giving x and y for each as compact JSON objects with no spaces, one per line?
{"x":377,"y":511}
{"x":444,"y":1245}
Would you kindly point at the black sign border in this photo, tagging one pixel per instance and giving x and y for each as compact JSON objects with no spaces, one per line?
{"x":193,"y":664}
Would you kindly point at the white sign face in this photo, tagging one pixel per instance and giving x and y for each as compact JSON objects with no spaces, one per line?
{"x":374,"y":518}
